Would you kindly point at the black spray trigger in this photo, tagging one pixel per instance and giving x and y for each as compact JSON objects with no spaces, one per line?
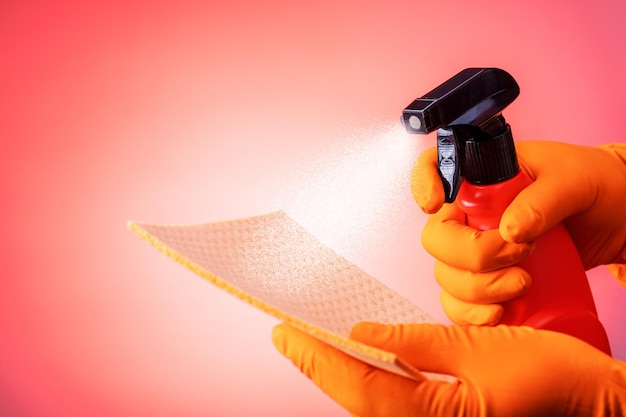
{"x":457,"y":143}
{"x":450,"y":162}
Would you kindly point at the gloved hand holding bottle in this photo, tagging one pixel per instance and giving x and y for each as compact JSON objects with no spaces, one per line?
{"x":584,"y":187}
{"x":478,"y":169}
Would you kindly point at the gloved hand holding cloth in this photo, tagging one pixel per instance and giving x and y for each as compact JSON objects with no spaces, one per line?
{"x":501,"y":371}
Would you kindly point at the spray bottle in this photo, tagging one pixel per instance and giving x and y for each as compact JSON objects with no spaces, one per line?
{"x":479,"y":169}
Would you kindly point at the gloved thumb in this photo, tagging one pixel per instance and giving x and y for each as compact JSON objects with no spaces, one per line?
{"x":430,"y":347}
{"x":537,"y":209}
{"x":560,"y":188}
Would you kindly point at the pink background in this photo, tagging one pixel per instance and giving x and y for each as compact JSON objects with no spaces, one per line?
{"x":195,"y":111}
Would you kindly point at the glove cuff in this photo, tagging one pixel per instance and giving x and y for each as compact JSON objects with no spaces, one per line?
{"x":619,"y":272}
{"x":618,"y":268}
{"x":617,"y":149}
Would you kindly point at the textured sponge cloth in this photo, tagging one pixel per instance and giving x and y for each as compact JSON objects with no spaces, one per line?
{"x":274,"y":264}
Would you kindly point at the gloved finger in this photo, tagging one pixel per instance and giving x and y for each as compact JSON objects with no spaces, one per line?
{"x":426,"y":184}
{"x":362,"y":389}
{"x":463,"y":313}
{"x":445,"y":232}
{"x":489,"y":287}
{"x":553,"y":197}
{"x":534,"y":211}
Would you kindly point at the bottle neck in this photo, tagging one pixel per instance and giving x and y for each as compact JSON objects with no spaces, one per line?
{"x":491,"y":160}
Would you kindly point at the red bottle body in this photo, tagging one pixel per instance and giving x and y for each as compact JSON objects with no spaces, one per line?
{"x":559,"y":298}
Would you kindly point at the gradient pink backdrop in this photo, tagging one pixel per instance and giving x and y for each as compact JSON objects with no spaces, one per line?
{"x":194,"y":111}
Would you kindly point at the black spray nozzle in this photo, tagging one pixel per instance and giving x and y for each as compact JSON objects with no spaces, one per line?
{"x":473,"y":139}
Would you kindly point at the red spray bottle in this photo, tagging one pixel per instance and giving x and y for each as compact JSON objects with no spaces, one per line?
{"x":480,"y":172}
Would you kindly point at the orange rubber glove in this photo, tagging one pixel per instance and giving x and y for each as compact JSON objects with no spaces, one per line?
{"x":501,"y":371}
{"x":584,"y":187}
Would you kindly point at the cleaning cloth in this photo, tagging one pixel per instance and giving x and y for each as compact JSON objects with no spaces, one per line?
{"x":272,"y":263}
